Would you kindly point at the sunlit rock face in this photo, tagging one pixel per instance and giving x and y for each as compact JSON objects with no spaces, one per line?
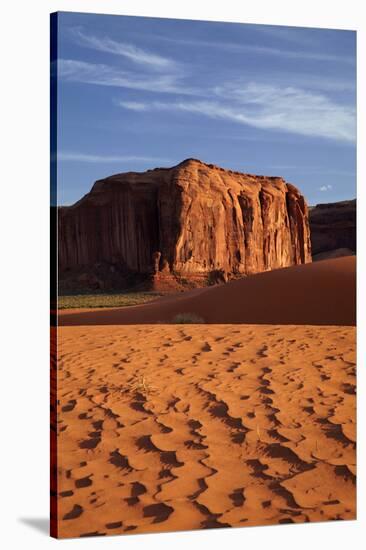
{"x":191,"y":221}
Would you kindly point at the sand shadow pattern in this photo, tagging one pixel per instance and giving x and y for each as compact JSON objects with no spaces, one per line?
{"x":201,"y":444}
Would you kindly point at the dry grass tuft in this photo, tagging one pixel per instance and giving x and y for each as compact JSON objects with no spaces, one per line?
{"x":142,"y":386}
{"x":187,"y":318}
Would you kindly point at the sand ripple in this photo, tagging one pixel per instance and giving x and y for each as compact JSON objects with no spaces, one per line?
{"x":187,"y":427}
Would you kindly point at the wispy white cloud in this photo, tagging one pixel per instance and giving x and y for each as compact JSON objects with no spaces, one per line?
{"x":297,"y":54}
{"x":106,"y":75}
{"x":287,"y":53}
{"x":148,"y":71}
{"x":301,"y":36}
{"x":326,"y":188}
{"x":272,"y":107}
{"x":313,"y":82}
{"x":311,"y":169}
{"x":146,"y":58}
{"x":85,"y":157}
{"x":133,"y":105}
{"x":303,"y":106}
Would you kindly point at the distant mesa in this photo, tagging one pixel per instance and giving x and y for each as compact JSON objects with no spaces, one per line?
{"x":175,"y":228}
{"x":333,"y":229}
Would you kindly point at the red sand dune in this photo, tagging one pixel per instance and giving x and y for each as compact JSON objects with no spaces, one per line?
{"x":171,"y":427}
{"x":321,"y":293}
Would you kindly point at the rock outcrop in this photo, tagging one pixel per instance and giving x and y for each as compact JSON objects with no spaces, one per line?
{"x":193,"y":222}
{"x":333,"y":229}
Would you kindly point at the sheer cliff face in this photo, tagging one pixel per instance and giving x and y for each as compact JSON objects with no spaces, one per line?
{"x":333,"y":227}
{"x":191,"y":219}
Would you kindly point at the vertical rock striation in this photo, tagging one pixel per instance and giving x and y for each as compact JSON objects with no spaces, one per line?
{"x":333,"y":229}
{"x":189,"y":221}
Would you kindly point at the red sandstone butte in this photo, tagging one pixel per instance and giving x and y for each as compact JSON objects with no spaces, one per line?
{"x":189,"y":221}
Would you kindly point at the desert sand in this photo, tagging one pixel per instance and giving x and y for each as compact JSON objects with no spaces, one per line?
{"x":167,"y":427}
{"x":185,"y":427}
{"x":321,"y":293}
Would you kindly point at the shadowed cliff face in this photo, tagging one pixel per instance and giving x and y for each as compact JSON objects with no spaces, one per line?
{"x":191,"y":220}
{"x":333,"y":229}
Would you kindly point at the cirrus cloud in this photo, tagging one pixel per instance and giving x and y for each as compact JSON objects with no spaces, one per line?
{"x":271,"y":107}
{"x":143,"y":57}
{"x":70,"y":156}
{"x":101,"y":74}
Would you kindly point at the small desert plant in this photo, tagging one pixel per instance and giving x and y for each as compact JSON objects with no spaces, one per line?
{"x":187,"y":318}
{"x":142,"y":386}
{"x":258,"y":432}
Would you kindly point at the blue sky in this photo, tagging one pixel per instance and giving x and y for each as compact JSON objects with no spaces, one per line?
{"x":136,"y":93}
